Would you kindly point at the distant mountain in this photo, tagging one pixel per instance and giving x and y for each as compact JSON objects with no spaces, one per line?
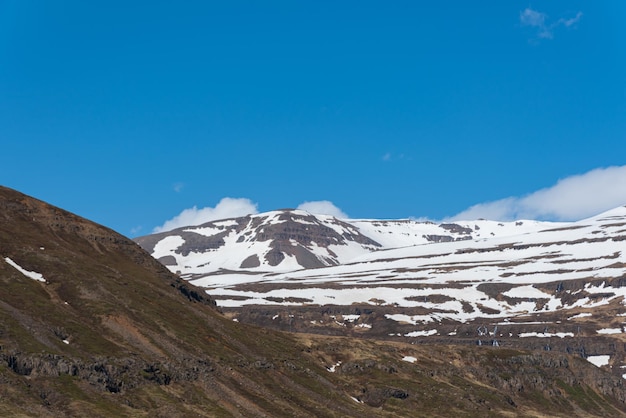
{"x":289,"y":240}
{"x":524,"y":284}
{"x":91,"y":325}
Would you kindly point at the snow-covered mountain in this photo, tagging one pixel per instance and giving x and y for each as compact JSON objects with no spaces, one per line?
{"x":290,"y":240}
{"x":296,"y":255}
{"x":526,"y":284}
{"x":457,"y":271}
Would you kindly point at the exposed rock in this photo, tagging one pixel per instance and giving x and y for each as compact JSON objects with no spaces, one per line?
{"x":168,"y":260}
{"x":250,"y":262}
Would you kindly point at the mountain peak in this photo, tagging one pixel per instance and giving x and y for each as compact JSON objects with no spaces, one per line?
{"x":291,"y":239}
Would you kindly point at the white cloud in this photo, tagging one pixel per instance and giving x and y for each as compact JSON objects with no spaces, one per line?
{"x":322,"y":207}
{"x":572,"y":21}
{"x":395,"y":157}
{"x":530,"y":17}
{"x":538,"y":20}
{"x":228,"y":207}
{"x":572,"y":198}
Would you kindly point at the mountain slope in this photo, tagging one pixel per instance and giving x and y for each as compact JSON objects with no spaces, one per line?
{"x":90,"y":324}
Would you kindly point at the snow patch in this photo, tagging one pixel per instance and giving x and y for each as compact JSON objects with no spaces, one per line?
{"x":30,"y":274}
{"x":167,"y":246}
{"x":424,"y":333}
{"x":333,"y":368}
{"x":580,"y":315}
{"x":609,"y":331}
{"x":408,"y":318}
{"x":527,"y":291}
{"x":546,"y":334}
{"x":599,"y":360}
{"x":409,"y":359}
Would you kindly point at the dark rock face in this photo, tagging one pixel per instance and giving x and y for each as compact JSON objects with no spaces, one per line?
{"x":439,"y":238}
{"x":199,"y":243}
{"x":305,"y":231}
{"x":250,"y":262}
{"x":457,"y":229}
{"x":274,"y":257}
{"x":168,"y":260}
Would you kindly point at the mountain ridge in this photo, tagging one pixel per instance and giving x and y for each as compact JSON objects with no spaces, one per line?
{"x":297,"y":239}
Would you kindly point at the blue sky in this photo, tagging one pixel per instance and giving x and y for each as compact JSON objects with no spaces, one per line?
{"x":129,"y":113}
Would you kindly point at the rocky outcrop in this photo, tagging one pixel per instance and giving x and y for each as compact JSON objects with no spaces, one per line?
{"x":108,"y":374}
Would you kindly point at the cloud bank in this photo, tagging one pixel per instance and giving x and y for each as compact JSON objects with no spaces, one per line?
{"x":571,"y":198}
{"x":322,"y":207}
{"x":539,"y":21}
{"x":228,"y":207}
